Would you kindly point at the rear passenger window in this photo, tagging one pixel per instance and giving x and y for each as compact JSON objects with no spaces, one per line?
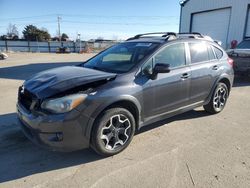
{"x":198,"y":52}
{"x":218,"y":52}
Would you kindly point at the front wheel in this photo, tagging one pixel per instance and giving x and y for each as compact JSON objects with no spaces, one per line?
{"x":113,"y":131}
{"x":218,"y":100}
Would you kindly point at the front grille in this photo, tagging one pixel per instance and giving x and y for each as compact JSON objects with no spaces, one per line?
{"x":25,"y":98}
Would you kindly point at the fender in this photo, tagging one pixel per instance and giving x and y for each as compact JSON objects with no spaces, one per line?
{"x":223,"y":76}
{"x":107,"y":104}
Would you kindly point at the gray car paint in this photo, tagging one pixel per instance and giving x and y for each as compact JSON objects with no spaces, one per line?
{"x":167,"y":95}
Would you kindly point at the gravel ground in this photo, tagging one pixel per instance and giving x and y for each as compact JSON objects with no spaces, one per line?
{"x":190,"y":150}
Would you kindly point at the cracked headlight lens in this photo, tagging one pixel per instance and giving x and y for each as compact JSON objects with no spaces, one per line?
{"x":64,"y":104}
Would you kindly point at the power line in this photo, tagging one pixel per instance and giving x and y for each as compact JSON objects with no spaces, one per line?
{"x":98,"y":23}
{"x":88,"y":15}
{"x":28,"y":17}
{"x":116,"y":23}
{"x":115,"y":16}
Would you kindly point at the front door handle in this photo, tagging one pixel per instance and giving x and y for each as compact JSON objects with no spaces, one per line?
{"x":185,"y":76}
{"x":215,"y":67}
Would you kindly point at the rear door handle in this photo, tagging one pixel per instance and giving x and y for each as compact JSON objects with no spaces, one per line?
{"x":215,"y":67}
{"x":185,"y":75}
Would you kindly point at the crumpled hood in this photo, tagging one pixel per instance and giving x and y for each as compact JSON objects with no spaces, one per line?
{"x":54,"y":81}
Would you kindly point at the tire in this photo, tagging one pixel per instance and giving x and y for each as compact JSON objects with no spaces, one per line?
{"x":108,"y":138}
{"x":218,"y":100}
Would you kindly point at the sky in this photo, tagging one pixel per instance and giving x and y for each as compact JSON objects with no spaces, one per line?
{"x":109,"y":19}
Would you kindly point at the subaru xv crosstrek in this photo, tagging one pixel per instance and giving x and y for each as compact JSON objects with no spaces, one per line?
{"x":102,"y":102}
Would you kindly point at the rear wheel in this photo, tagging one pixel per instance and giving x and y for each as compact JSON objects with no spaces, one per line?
{"x":218,"y":100}
{"x":113,"y":131}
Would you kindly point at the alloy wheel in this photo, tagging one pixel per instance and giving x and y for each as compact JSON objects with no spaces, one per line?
{"x":220,"y":98}
{"x":116,"y":132}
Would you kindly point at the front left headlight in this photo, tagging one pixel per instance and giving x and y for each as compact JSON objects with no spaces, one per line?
{"x":64,"y":104}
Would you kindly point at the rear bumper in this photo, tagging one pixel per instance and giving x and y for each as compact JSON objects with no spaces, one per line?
{"x":62,"y":132}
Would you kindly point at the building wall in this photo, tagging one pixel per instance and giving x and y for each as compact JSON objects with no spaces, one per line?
{"x":239,"y":10}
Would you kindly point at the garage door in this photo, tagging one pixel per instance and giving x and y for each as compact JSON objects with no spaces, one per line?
{"x":248,"y":25}
{"x":213,"y":23}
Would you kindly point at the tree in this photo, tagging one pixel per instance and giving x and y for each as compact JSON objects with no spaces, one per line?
{"x":45,"y":34}
{"x":100,"y":38}
{"x":32,"y":33}
{"x":64,"y":37}
{"x":12,"y":32}
{"x":3,"y":37}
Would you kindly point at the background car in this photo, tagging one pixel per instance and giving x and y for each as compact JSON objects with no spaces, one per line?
{"x":241,"y":57}
{"x":63,"y":50}
{"x":3,"y":55}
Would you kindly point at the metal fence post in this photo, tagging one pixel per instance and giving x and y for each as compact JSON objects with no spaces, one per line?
{"x":6,"y":45}
{"x":49,"y":45}
{"x":74,"y":45}
{"x":29,"y":45}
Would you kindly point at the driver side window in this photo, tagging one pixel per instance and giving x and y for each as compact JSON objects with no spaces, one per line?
{"x":174,"y":55}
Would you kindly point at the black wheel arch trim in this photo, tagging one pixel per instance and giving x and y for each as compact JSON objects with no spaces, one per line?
{"x":110,"y":103}
{"x":222,"y":77}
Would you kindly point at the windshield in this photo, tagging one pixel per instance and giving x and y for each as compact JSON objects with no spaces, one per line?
{"x":244,"y":45}
{"x":122,"y":57}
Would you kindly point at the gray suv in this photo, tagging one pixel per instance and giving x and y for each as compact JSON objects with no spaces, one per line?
{"x":101,"y":103}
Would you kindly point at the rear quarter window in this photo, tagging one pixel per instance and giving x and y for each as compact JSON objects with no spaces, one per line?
{"x":218,"y":52}
{"x":211,"y":53}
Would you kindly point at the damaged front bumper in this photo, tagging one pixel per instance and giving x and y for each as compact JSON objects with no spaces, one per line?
{"x":57,"y":132}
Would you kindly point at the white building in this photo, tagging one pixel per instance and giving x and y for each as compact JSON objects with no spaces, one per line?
{"x":223,"y":20}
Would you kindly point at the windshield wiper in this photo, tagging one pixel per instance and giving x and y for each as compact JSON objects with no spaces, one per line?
{"x":97,"y":68}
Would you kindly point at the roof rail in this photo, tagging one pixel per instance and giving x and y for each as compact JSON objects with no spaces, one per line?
{"x":171,"y":35}
{"x":163,"y":34}
{"x":197,"y":35}
{"x":191,"y":35}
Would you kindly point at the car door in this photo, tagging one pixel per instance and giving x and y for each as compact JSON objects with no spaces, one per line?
{"x":204,"y":67}
{"x":170,"y":91}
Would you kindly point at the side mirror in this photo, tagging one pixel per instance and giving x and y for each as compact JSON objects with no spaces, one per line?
{"x":161,"y":68}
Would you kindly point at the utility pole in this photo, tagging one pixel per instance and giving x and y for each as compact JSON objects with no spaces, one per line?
{"x":59,"y":27}
{"x":80,"y":44}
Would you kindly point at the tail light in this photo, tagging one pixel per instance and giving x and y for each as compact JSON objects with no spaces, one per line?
{"x":230,"y":61}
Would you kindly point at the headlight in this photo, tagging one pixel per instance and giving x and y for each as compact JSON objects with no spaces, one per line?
{"x":64,"y":104}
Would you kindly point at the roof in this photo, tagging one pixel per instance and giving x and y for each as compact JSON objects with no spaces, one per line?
{"x":168,"y":36}
{"x":183,"y":2}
